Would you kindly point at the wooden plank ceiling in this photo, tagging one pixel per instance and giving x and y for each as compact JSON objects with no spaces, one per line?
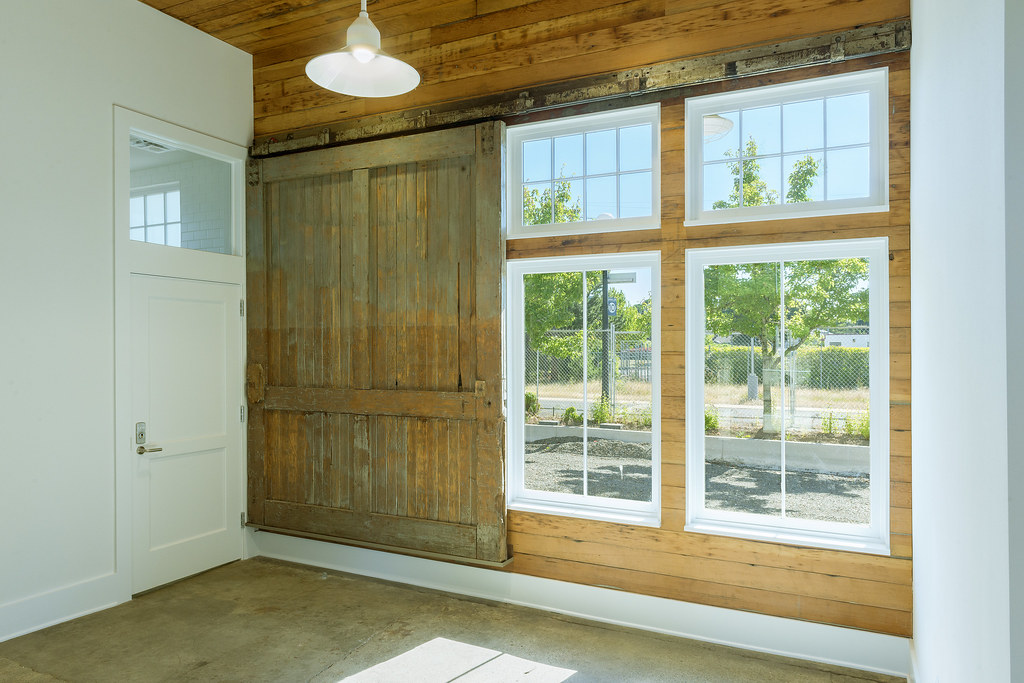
{"x":474,"y":48}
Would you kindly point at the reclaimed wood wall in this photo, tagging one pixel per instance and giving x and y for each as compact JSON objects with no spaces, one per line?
{"x":468,"y":49}
{"x":847,"y":589}
{"x":471,"y":48}
{"x":374,"y":386}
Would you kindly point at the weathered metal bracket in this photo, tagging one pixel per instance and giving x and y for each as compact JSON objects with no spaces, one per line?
{"x":761,"y":59}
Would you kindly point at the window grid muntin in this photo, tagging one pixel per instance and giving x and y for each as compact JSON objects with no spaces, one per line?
{"x":809,"y":532}
{"x":584,"y":177}
{"x":619,"y":510}
{"x":873,"y":81}
{"x":741,"y":156}
{"x":583,"y":125}
{"x":162,"y":191}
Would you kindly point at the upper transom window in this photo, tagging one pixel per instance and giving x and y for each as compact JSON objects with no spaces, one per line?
{"x":591,"y":173}
{"x":811,"y":148}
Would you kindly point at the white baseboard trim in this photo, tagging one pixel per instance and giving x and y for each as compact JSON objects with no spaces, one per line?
{"x":912,"y":676}
{"x":63,"y":604}
{"x":775,"y":635}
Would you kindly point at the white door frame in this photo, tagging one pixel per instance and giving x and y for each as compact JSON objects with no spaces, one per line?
{"x":135,"y":257}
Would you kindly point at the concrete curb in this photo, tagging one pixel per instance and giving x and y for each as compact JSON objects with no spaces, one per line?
{"x":810,"y":457}
{"x":538,"y":432}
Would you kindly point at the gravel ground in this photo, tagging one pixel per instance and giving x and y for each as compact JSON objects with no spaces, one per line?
{"x":615,"y":469}
{"x":809,"y":495}
{"x":623,"y":470}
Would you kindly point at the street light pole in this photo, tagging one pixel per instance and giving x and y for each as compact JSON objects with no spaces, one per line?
{"x":604,"y":334}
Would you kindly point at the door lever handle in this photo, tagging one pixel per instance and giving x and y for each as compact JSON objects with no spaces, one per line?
{"x":142,"y":450}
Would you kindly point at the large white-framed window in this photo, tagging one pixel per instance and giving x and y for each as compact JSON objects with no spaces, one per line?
{"x":583,"y":370}
{"x":588,"y":173}
{"x":787,"y":436}
{"x":810,"y":148}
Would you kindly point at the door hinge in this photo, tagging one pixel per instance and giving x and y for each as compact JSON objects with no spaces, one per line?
{"x":243,"y":520}
{"x":241,"y":308}
{"x":241,"y":413}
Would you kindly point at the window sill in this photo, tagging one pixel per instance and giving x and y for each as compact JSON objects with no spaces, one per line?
{"x":591,"y":512}
{"x":582,"y":228}
{"x":801,"y":537}
{"x":735,"y":216}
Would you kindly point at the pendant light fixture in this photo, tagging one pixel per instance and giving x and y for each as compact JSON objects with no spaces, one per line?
{"x":716,"y":127}
{"x":360,"y":68}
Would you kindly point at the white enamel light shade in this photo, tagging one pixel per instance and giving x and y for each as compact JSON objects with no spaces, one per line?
{"x":716,"y":127}
{"x":360,"y":68}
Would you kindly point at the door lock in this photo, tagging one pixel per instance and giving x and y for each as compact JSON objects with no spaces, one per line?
{"x":140,"y":432}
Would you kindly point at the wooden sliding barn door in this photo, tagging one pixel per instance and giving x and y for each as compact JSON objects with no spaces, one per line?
{"x":374,"y":324}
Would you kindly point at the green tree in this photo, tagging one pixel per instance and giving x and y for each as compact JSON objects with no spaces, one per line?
{"x":748,"y":185}
{"x":747,"y":299}
{"x":537,"y":209}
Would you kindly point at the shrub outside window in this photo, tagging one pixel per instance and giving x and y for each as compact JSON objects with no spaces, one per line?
{"x":590,"y":173}
{"x":787,"y":431}
{"x":811,"y":148}
{"x":583,"y":403}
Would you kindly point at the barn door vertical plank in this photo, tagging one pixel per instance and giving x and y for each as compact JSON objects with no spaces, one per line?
{"x":490,"y":472}
{"x":377,"y":294}
{"x":428,"y":309}
{"x":256,"y":267}
{"x":360,"y":263}
{"x":337,"y":283}
{"x":303,"y":284}
{"x":289,"y":301}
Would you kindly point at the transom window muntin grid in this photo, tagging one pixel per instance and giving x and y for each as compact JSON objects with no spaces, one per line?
{"x":588,"y":178}
{"x":589,"y":173}
{"x":154,"y":214}
{"x":833,"y":528}
{"x":847,"y":174}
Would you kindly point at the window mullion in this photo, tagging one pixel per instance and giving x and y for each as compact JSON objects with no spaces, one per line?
{"x":824,"y":152}
{"x":586,"y":381}
{"x":782,"y":384}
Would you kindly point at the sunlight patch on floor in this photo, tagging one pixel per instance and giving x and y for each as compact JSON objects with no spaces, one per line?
{"x":441,"y":660}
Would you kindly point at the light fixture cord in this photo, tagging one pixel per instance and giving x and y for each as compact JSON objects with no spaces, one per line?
{"x":362,"y":5}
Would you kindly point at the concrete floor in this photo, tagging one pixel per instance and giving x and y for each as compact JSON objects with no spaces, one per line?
{"x":263,"y":620}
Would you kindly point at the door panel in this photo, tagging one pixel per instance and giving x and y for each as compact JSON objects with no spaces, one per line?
{"x":374,"y":339}
{"x":186,"y":377}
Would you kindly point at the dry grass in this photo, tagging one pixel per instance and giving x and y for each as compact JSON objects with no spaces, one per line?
{"x":625,"y":390}
{"x":806,"y":397}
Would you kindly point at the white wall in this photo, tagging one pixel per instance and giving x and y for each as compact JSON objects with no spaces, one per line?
{"x":66,"y":64}
{"x":959,"y":286}
{"x":1015,"y":322}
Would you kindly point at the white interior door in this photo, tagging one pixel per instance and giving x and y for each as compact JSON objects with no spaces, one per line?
{"x":186,"y":376}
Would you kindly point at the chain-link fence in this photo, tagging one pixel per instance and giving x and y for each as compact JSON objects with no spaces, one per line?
{"x":617,"y":366}
{"x":826,"y":387}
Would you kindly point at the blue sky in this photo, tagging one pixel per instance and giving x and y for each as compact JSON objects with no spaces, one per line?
{"x":834,"y":131}
{"x":591,"y":161}
{"x":790,"y":132}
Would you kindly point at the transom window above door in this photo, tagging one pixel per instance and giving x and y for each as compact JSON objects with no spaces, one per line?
{"x":590,"y":173}
{"x":180,"y":198}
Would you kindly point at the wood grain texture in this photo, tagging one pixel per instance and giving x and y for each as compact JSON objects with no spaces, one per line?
{"x":373,"y":295}
{"x":848,"y":589}
{"x":472,"y":48}
{"x":477,"y":50}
